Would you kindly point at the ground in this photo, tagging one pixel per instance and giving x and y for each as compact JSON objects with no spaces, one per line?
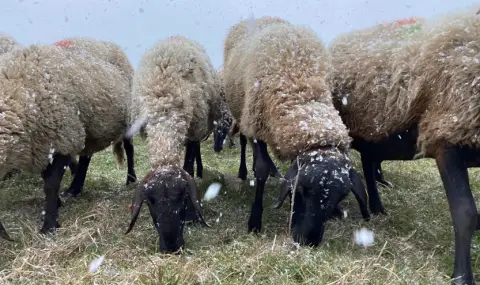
{"x":413,"y":244}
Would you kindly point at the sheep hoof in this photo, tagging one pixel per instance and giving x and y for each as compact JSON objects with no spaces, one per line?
{"x":131,"y":179}
{"x":49,"y":230}
{"x":379,"y":211}
{"x":254,"y":226}
{"x":242,"y":176}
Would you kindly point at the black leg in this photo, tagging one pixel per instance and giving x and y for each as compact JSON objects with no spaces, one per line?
{"x":73,"y":165}
{"x":453,"y":170}
{"x":188,"y":166}
{"x":379,"y":175}
{"x":79,"y":179}
{"x":374,"y":197}
{"x":128,"y":146}
{"x":231,"y":142}
{"x":478,"y":222}
{"x":52,"y":178}
{"x":273,"y":168}
{"x":189,"y":158}
{"x":198,"y":159}
{"x":242,"y":171}
{"x":262,"y":170}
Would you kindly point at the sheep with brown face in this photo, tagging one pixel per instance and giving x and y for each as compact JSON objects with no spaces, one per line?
{"x":176,"y":100}
{"x":276,"y":89}
{"x":410,"y":89}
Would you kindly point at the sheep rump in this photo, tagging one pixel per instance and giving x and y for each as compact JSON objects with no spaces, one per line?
{"x":392,"y":80}
{"x":176,"y":92}
{"x":44,"y":113}
{"x":275,"y":80}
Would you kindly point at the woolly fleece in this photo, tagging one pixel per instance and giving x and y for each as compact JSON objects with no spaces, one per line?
{"x":281,"y":97}
{"x":54,"y":102}
{"x":392,"y":80}
{"x":178,"y":90}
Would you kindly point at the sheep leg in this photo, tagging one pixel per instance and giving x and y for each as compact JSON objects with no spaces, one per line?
{"x":52,"y":178}
{"x":128,"y":146}
{"x":73,"y":165}
{"x":189,"y":158}
{"x":198,"y":159}
{"x":262,"y":170}
{"x":273,"y":168}
{"x":242,"y":171}
{"x":453,"y":170}
{"x":379,"y":175}
{"x":375,"y":202}
{"x":79,"y":179}
{"x":231,"y":141}
{"x":188,"y":166}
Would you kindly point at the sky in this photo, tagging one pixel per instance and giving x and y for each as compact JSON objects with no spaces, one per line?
{"x":136,"y":25}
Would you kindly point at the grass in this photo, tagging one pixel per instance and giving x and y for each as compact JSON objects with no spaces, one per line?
{"x":413,"y":244}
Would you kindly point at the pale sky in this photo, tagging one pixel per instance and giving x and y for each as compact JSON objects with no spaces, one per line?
{"x":137,"y":24}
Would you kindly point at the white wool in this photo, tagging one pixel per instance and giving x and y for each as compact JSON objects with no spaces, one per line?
{"x":364,"y":237}
{"x":95,"y":264}
{"x":212,"y":191}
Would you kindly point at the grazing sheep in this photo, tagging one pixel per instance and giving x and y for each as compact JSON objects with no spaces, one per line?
{"x":224,"y":125}
{"x":113,"y":54}
{"x":55,"y":105}
{"x":281,"y":99}
{"x":178,"y":100}
{"x":413,"y":95}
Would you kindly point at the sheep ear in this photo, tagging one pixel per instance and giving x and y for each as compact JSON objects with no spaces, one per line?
{"x":360,"y":193}
{"x":193,"y":191}
{"x":4,"y":234}
{"x":136,"y":206}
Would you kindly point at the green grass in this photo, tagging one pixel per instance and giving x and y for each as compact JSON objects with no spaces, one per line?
{"x":413,"y":244}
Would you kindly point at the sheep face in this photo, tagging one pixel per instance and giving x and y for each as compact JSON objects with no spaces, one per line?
{"x":220,"y":133}
{"x":167,"y":193}
{"x":322,"y":183}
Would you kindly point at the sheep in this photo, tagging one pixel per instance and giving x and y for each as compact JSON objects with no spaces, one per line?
{"x":224,"y":125}
{"x":177,"y":97}
{"x":414,"y":95}
{"x":113,"y":54}
{"x":63,"y":105}
{"x":281,"y":99}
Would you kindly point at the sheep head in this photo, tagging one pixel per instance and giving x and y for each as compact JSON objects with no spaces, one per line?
{"x":322,"y":183}
{"x":166,"y":192}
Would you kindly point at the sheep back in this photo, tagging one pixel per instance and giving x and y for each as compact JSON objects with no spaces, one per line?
{"x":8,"y":44}
{"x":448,"y":77}
{"x":178,"y":89}
{"x":244,"y":28}
{"x":104,"y":50}
{"x":53,"y":102}
{"x":277,"y":76}
{"x":370,"y":78}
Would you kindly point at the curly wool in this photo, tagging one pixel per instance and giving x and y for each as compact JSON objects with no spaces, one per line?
{"x":177,"y":89}
{"x":53,"y":102}
{"x":393,"y":80}
{"x":244,"y":29}
{"x":8,"y":44}
{"x":108,"y":51}
{"x":282,"y":97}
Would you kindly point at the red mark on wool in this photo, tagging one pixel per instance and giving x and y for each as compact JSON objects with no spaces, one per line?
{"x":64,"y":43}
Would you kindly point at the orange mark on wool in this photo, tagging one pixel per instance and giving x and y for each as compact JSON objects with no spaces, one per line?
{"x":63,"y":43}
{"x":409,"y":21}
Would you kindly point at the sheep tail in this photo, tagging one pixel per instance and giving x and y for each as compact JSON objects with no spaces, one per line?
{"x":119,"y":153}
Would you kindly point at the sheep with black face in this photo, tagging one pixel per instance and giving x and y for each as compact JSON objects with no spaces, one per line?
{"x":177,"y":98}
{"x":285,"y":102}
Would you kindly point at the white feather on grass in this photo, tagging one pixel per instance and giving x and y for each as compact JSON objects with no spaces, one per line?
{"x":212,"y":191}
{"x":95,"y":264}
{"x":364,"y":237}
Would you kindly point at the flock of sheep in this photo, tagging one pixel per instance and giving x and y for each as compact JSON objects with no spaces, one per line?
{"x":397,"y":91}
